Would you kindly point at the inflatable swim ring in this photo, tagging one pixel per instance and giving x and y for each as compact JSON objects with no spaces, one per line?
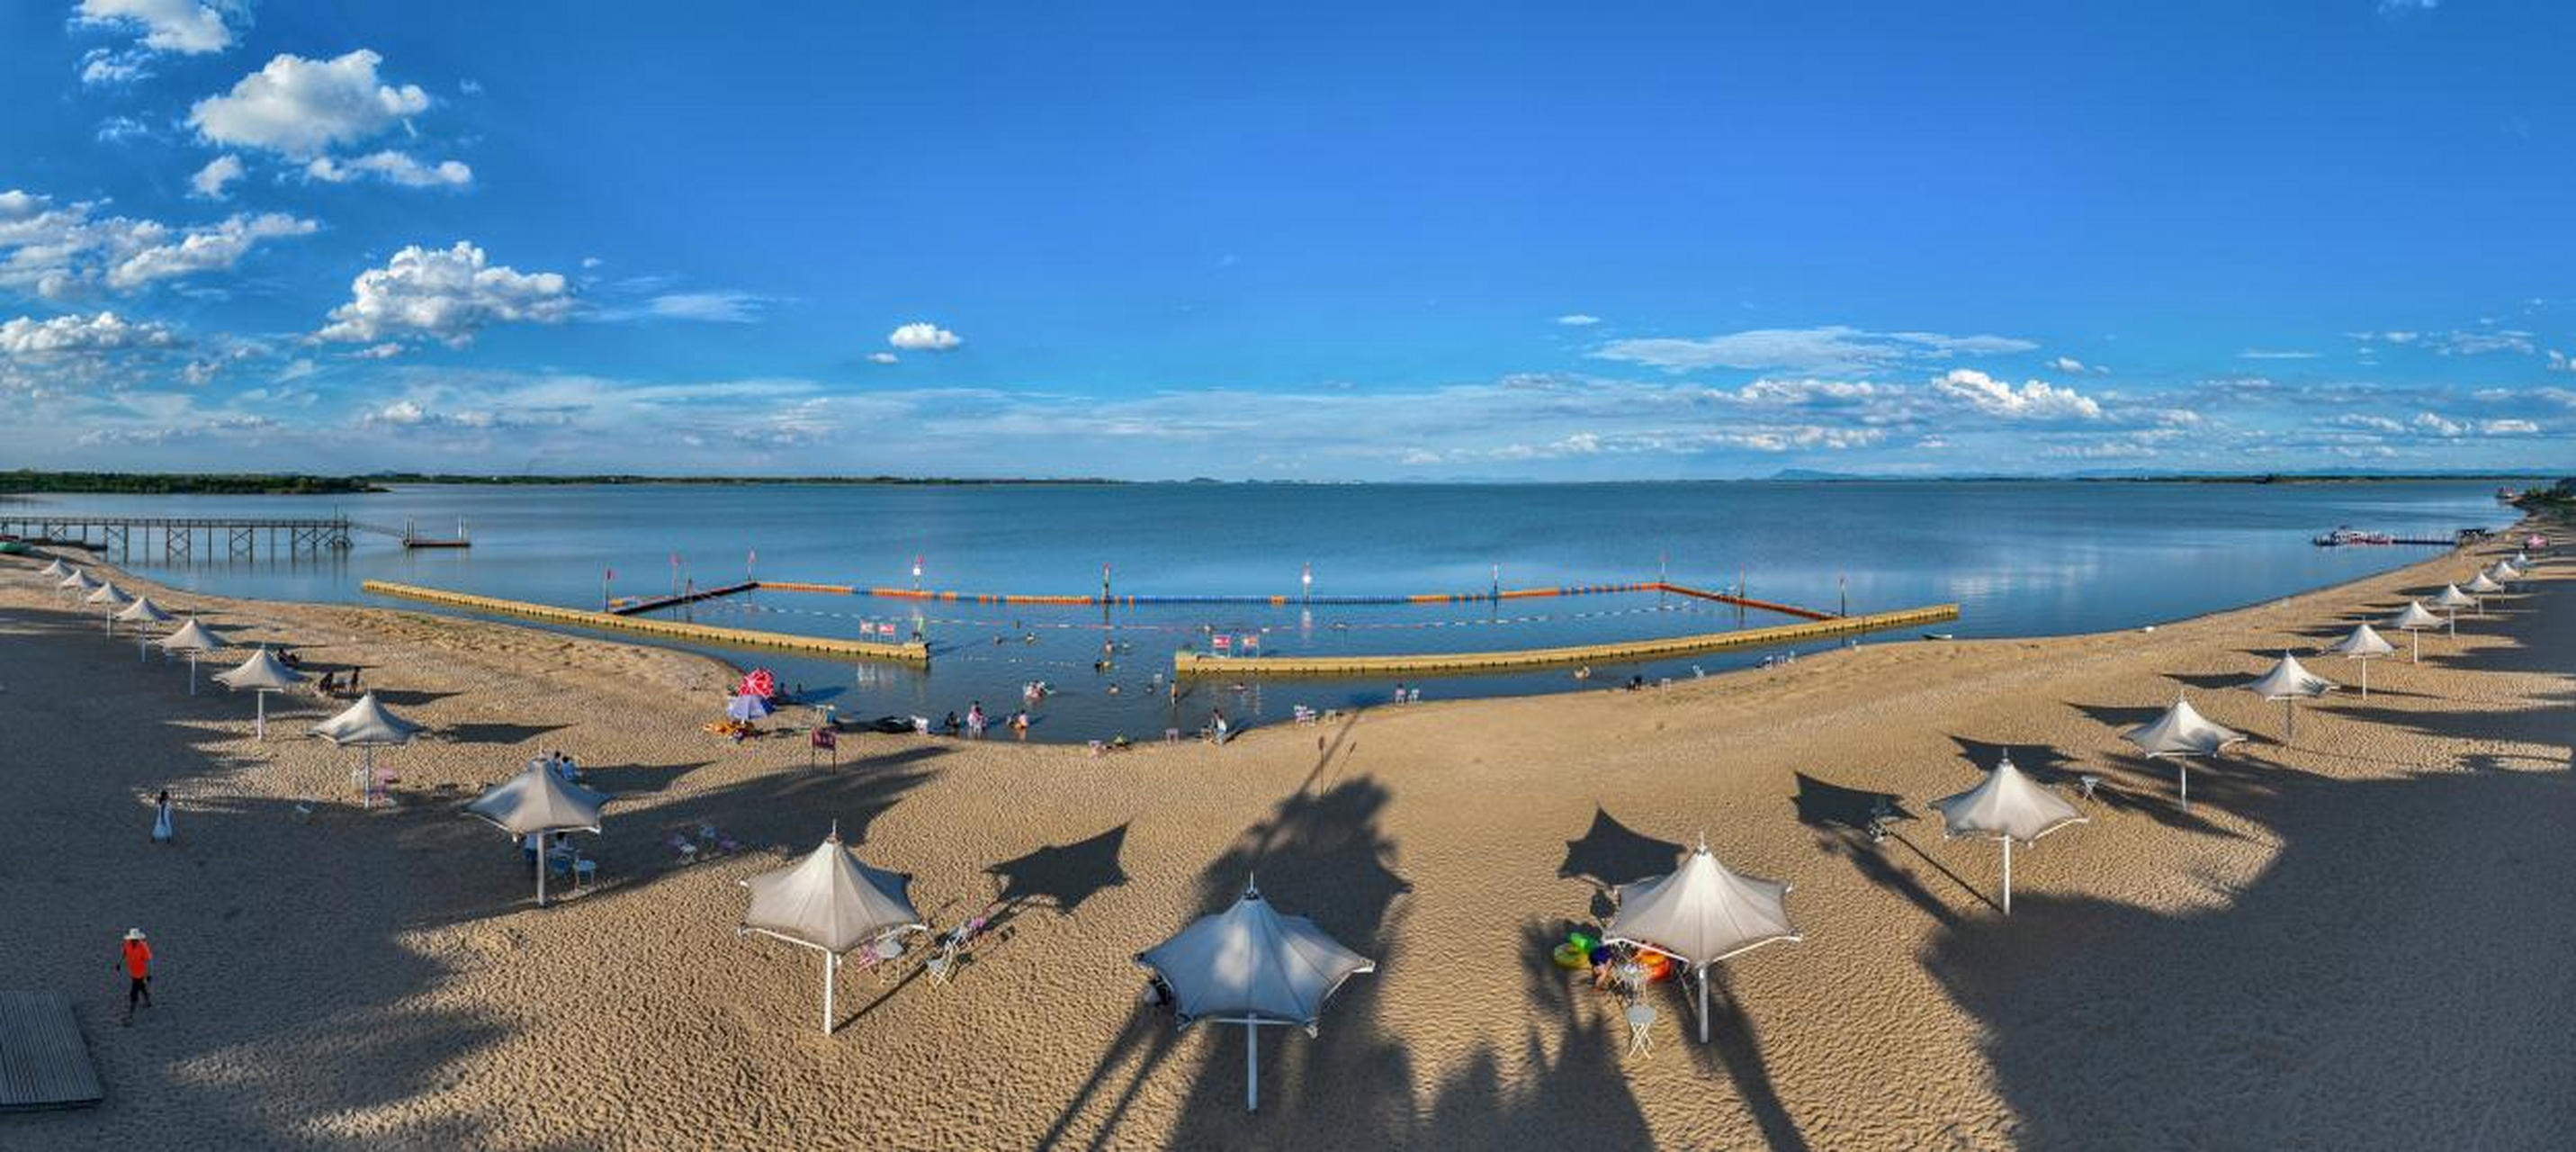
{"x":1658,"y":966}
{"x":1572,"y":957}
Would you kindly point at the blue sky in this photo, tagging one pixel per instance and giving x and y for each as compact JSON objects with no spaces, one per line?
{"x":1299,"y":242}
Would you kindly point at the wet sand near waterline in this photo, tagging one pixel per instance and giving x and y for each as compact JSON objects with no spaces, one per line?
{"x":2356,"y":941}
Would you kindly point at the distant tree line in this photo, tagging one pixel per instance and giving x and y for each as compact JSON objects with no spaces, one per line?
{"x":27,"y":481}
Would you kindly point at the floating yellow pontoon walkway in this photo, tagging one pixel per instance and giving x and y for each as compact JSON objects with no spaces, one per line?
{"x":1620,"y":652}
{"x":914,"y":652}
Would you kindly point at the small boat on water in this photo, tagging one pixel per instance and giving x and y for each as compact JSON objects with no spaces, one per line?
{"x":2348,"y":535}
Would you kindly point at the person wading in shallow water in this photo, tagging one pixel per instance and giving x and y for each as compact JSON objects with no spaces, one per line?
{"x":137,"y":958}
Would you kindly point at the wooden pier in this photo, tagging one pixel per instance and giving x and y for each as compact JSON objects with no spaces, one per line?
{"x":651,"y":603}
{"x":1619,"y":652}
{"x":184,"y":539}
{"x":914,"y":652}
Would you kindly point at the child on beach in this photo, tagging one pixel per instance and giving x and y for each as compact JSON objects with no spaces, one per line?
{"x":136,"y":955}
{"x":162,"y":832}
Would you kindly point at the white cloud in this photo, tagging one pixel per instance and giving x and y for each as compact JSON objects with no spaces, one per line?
{"x":73,"y":335}
{"x":205,"y":249}
{"x":920,"y":337}
{"x":883,"y":358}
{"x":188,"y":27}
{"x":2067,"y":364}
{"x":2275,"y":354}
{"x":61,"y":252}
{"x":2438,"y":426}
{"x":218,"y":172}
{"x":2369,"y":423}
{"x":392,"y":167}
{"x":2035,"y":400}
{"x":385,"y":351}
{"x":2558,"y":362}
{"x":1831,"y":350}
{"x":1578,"y":320}
{"x":300,"y":108}
{"x":2508,"y":427}
{"x":713,"y":307}
{"x":444,"y":294}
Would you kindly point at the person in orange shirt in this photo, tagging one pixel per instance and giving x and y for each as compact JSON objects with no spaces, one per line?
{"x":137,"y":959}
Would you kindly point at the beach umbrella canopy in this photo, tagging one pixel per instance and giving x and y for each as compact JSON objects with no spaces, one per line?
{"x":746,"y":707}
{"x":2451,"y":597}
{"x":2289,"y":682}
{"x":2482,"y":584}
{"x":536,"y":802}
{"x":189,"y":637}
{"x":2413,"y":619}
{"x":2180,"y":733}
{"x":144,"y":611}
{"x":2290,"y":679}
{"x":831,"y":902}
{"x":1702,"y":913}
{"x":109,"y":594}
{"x":2008,"y":806}
{"x":1252,"y":965}
{"x":2508,"y":571}
{"x":262,"y":674}
{"x":78,"y":582}
{"x":55,"y":570}
{"x":367,"y":723}
{"x":2363,"y":643}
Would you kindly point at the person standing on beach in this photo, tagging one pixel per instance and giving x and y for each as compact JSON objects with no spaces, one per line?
{"x":136,"y":955}
{"x":162,"y":832}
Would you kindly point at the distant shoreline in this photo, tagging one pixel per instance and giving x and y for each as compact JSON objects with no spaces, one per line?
{"x":25,"y":482}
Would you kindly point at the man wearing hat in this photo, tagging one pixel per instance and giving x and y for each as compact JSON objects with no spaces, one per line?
{"x":138,"y":965}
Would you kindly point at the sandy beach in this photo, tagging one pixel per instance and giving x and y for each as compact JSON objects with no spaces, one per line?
{"x":2356,"y":940}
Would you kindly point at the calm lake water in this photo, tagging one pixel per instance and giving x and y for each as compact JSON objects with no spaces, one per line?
{"x":2019,"y":559}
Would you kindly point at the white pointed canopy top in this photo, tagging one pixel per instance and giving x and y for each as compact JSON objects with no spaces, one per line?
{"x":2451,"y":597}
{"x":2507,"y":570}
{"x":537,"y":800}
{"x":55,"y":570}
{"x":111,"y":595}
{"x":2007,"y":804}
{"x":190,"y":637}
{"x":1702,"y":913}
{"x":1251,"y":962}
{"x":144,"y":611}
{"x":366,"y":722}
{"x":2363,"y":643}
{"x":2413,"y":617}
{"x":78,"y":581}
{"x":2482,"y":584}
{"x":829,"y":900}
{"x":2290,"y":678}
{"x":262,"y":672}
{"x":2183,"y":731}
{"x":2520,"y":559}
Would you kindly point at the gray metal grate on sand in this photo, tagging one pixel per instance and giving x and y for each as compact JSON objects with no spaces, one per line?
{"x":44,"y":1061}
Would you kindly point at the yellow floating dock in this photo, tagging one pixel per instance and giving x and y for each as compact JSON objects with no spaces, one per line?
{"x":914,"y":652}
{"x":1621,"y":652}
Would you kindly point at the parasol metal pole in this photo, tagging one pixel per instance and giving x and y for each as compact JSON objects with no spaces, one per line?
{"x":830,"y":962}
{"x":192,"y":671}
{"x":1703,"y":1003}
{"x":2007,"y":875}
{"x":544,"y":849}
{"x":1251,"y":1065}
{"x":2365,"y":679}
{"x":260,"y":732}
{"x":2182,"y":774}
